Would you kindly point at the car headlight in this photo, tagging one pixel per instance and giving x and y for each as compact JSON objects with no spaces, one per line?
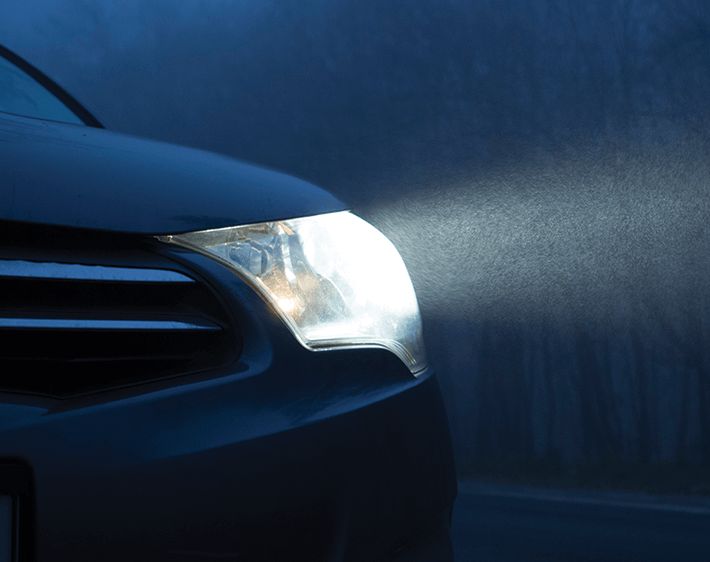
{"x":334,"y":279}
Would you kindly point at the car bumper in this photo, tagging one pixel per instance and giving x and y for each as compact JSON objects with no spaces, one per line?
{"x":155,"y":478}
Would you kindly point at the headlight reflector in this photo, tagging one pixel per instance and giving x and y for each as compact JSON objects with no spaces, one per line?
{"x":334,"y":279}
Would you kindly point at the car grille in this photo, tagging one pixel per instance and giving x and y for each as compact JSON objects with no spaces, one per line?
{"x":68,"y":328}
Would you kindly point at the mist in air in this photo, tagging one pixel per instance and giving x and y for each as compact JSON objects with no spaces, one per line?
{"x":541,"y":165}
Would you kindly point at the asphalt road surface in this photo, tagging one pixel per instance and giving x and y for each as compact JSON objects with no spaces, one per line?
{"x":511,"y":524}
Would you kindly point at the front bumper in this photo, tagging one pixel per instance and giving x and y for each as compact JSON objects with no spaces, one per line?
{"x":291,"y":455}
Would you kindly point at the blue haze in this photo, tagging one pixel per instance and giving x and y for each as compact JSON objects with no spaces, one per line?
{"x":542,"y":165}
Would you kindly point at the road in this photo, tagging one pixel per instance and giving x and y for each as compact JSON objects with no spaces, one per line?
{"x":515,"y":524}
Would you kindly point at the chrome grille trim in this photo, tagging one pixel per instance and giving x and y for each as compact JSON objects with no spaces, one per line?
{"x":197,"y":324}
{"x":80,"y":272}
{"x":96,"y":319}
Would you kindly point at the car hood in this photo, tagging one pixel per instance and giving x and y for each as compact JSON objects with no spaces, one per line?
{"x":82,"y":177}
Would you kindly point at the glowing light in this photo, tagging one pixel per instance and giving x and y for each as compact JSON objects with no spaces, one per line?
{"x":334,"y":279}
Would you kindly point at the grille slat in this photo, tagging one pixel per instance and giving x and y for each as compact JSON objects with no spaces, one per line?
{"x":72,"y":328}
{"x":81,"y":272}
{"x":93,"y":324}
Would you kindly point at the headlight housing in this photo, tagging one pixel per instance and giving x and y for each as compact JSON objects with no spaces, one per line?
{"x":334,"y":279}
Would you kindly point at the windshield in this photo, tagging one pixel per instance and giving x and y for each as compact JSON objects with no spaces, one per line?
{"x":23,"y":95}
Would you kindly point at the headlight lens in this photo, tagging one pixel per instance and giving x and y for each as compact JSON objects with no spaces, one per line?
{"x":334,"y":279}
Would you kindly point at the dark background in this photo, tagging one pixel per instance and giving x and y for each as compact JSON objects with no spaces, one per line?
{"x":543,"y":167}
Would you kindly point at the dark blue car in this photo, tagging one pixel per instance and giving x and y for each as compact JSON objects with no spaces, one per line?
{"x":201,"y":359}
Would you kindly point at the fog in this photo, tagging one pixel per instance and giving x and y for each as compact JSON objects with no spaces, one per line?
{"x":541,"y":165}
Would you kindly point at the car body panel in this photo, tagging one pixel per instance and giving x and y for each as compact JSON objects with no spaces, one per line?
{"x":82,"y":177}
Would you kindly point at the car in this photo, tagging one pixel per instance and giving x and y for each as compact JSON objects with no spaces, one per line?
{"x":201,"y":359}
